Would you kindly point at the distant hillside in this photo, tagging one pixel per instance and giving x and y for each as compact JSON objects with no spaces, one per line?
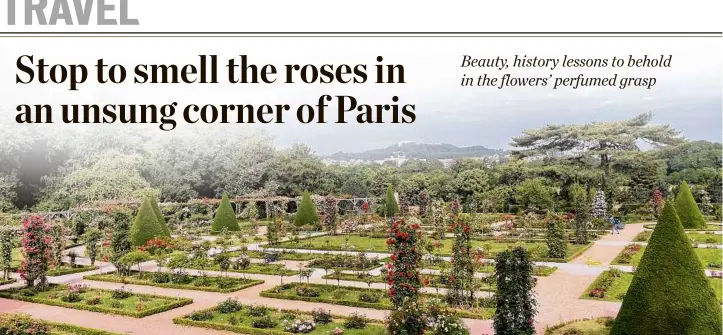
{"x":412,"y":150}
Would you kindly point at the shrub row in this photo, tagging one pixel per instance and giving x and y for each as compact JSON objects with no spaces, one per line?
{"x":127,"y":280}
{"x":178,"y":302}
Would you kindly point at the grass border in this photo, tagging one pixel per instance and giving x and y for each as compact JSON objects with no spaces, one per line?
{"x":175,"y":303}
{"x":550,"y":330}
{"x":125,"y":280}
{"x":83,"y":268}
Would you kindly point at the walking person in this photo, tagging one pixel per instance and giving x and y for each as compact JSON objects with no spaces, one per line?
{"x":614,"y":222}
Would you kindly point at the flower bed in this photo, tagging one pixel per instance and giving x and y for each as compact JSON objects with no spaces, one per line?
{"x":346,"y":262}
{"x":537,"y":270}
{"x":183,"y":282}
{"x":428,"y":280}
{"x":710,"y":258}
{"x":354,"y":297}
{"x":281,"y":255}
{"x":98,"y":300}
{"x":261,"y":320}
{"x":69,"y":269}
{"x":612,"y":286}
{"x":358,"y":243}
{"x":257,"y":268}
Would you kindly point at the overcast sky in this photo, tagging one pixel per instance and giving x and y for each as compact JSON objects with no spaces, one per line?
{"x":687,"y":95}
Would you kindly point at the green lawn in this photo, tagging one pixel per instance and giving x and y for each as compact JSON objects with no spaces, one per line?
{"x":620,"y":286}
{"x":355,"y":297}
{"x":599,"y":326}
{"x":242,"y":322}
{"x":167,"y":280}
{"x":98,"y":300}
{"x":706,"y":238}
{"x":370,"y":244}
{"x":710,"y":258}
{"x":700,"y":237}
{"x":537,"y":270}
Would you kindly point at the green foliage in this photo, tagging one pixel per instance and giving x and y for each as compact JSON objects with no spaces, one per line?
{"x":534,"y":194}
{"x":556,"y":238}
{"x":306,"y":214}
{"x":120,"y":238}
{"x":516,"y":305}
{"x":225,"y":217}
{"x":390,"y":203}
{"x":145,"y":226}
{"x":687,"y":209}
{"x":92,"y":244}
{"x":581,"y":205}
{"x":669,"y":293}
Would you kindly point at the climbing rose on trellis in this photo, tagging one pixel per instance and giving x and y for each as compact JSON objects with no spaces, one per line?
{"x":461,"y":290}
{"x":599,"y":206}
{"x":403,"y":275}
{"x":423,"y":202}
{"x":438,"y":219}
{"x":329,"y":211}
{"x":36,"y":251}
{"x":657,"y":202}
{"x":7,"y":235}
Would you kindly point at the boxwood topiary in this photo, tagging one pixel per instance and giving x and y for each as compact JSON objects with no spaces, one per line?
{"x":687,"y":209}
{"x":225,"y":217}
{"x":145,"y":226}
{"x":669,"y":293}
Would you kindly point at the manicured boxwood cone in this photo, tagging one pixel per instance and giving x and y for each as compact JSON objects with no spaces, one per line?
{"x":145,"y":226}
{"x":687,"y":209}
{"x":306,"y":215}
{"x":159,"y":216}
{"x":225,"y":217}
{"x":390,"y":203}
{"x":669,"y":293}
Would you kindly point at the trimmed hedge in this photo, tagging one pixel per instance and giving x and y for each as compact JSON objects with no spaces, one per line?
{"x":63,"y":272}
{"x":77,"y":330}
{"x":687,"y":209}
{"x":669,"y":293}
{"x":306,"y":215}
{"x":132,"y":281}
{"x":225,"y":217}
{"x":179,"y":302}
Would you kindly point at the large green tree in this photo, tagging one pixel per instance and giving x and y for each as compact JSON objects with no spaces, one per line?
{"x":687,"y":209}
{"x":225,"y":217}
{"x":390,"y":203}
{"x":669,"y":293}
{"x":603,"y":140}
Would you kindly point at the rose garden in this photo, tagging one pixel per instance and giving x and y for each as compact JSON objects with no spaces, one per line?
{"x":521,"y":246}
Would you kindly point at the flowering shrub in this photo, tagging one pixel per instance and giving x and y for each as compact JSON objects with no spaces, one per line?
{"x":350,"y":225}
{"x":21,"y":324}
{"x":597,"y":293}
{"x":409,"y":319}
{"x":299,"y":326}
{"x":626,"y":256}
{"x":36,"y":243}
{"x":403,"y":275}
{"x":321,"y":316}
{"x":337,"y":331}
{"x":156,"y":246}
{"x":306,"y":291}
{"x":441,"y":321}
{"x":356,"y":321}
{"x":264,"y":322}
{"x":229,"y":306}
{"x":120,"y":294}
{"x":93,"y":301}
{"x":257,"y":310}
